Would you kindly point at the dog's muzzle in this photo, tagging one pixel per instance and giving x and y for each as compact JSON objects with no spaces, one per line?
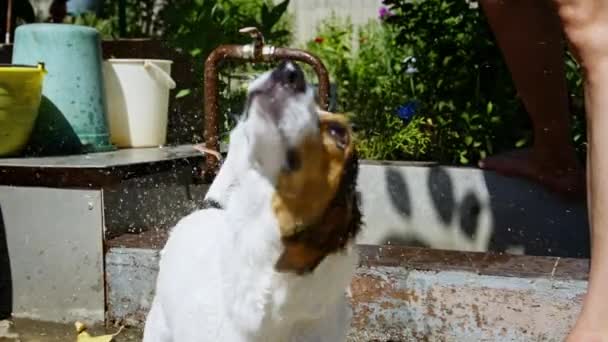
{"x":273,"y":90}
{"x":289,"y":76}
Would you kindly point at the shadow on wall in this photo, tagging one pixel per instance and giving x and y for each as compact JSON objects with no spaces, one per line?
{"x":440,"y":201}
{"x":6,"y":283}
{"x":470,"y":209}
{"x":398,"y":191}
{"x":401,"y":202}
{"x":552,"y":227}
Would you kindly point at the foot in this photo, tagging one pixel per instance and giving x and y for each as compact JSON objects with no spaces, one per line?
{"x":587,"y":336}
{"x":585,"y":331}
{"x":565,"y":177}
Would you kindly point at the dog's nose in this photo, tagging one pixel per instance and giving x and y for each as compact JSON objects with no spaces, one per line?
{"x":290,"y":75}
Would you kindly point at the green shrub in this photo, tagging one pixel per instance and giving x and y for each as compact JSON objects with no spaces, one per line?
{"x":457,"y":116}
{"x":459,"y":106}
{"x":466,"y":104}
{"x":372,"y":83}
{"x":199,"y":26}
{"x":463,"y":85}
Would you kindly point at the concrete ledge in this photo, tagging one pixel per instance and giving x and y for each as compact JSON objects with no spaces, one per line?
{"x":412,"y":294}
{"x":392,"y":304}
{"x":407,"y":293}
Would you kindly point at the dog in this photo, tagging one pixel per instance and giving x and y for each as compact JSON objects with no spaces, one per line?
{"x":273,"y":256}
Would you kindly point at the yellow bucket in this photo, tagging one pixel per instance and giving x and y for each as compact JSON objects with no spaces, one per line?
{"x":20,"y":95}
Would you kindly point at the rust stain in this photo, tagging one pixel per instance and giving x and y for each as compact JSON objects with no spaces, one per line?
{"x":387,"y":305}
{"x":429,"y":300}
{"x":366,"y":289}
{"x":361,"y":317}
{"x":478,"y":319}
{"x":405,"y":295}
{"x":369,"y":288}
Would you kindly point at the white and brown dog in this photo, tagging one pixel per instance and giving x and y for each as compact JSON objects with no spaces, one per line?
{"x":272,"y":257}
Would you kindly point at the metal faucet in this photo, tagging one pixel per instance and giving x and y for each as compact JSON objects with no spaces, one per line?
{"x":255,"y":52}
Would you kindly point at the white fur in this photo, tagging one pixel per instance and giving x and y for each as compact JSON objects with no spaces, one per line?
{"x":217,"y":280}
{"x":236,"y":160}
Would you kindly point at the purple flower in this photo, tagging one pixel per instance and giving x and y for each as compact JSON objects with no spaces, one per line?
{"x":407,"y":111}
{"x":384,"y":12}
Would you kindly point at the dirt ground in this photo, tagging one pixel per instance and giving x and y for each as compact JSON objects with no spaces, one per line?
{"x":21,"y":330}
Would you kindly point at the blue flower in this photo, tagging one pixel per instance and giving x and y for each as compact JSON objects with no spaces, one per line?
{"x":407,"y":111}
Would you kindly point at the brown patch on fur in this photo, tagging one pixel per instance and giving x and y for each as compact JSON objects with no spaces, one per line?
{"x":303,"y":194}
{"x":317,"y":205}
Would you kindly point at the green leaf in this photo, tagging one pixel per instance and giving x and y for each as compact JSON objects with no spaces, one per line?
{"x":195,"y":52}
{"x":463,"y":158}
{"x":446,"y":60}
{"x":280,"y":8}
{"x":276,"y":13}
{"x":182,"y":93}
{"x":489,"y":107}
{"x":520,"y":142}
{"x":264,"y":14}
{"x":468,"y":140}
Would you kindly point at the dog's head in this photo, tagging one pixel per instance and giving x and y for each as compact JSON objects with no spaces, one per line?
{"x":310,"y":158}
{"x":280,"y":114}
{"x":317,"y":204}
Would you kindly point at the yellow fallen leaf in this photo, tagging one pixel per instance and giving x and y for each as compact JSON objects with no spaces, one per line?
{"x":84,"y":336}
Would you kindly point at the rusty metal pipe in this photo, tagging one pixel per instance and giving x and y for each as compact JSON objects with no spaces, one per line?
{"x":255,"y":52}
{"x":9,"y":20}
{"x":212,"y":106}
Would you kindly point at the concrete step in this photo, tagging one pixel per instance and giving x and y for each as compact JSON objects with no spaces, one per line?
{"x":405,"y":293}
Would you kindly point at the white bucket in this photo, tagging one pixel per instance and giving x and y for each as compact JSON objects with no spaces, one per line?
{"x":137,"y":94}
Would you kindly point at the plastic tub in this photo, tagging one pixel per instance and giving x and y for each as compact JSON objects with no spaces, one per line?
{"x":20,"y":95}
{"x":73,"y":104}
{"x":137,"y":94}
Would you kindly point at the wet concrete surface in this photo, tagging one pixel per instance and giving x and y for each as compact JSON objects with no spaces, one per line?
{"x":24,"y":330}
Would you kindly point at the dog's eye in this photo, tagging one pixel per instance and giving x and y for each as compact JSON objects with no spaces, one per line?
{"x":339,"y":134}
{"x":292,"y":161}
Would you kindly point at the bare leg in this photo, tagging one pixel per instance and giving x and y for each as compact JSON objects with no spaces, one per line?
{"x":530,"y":37}
{"x":586,"y":26}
